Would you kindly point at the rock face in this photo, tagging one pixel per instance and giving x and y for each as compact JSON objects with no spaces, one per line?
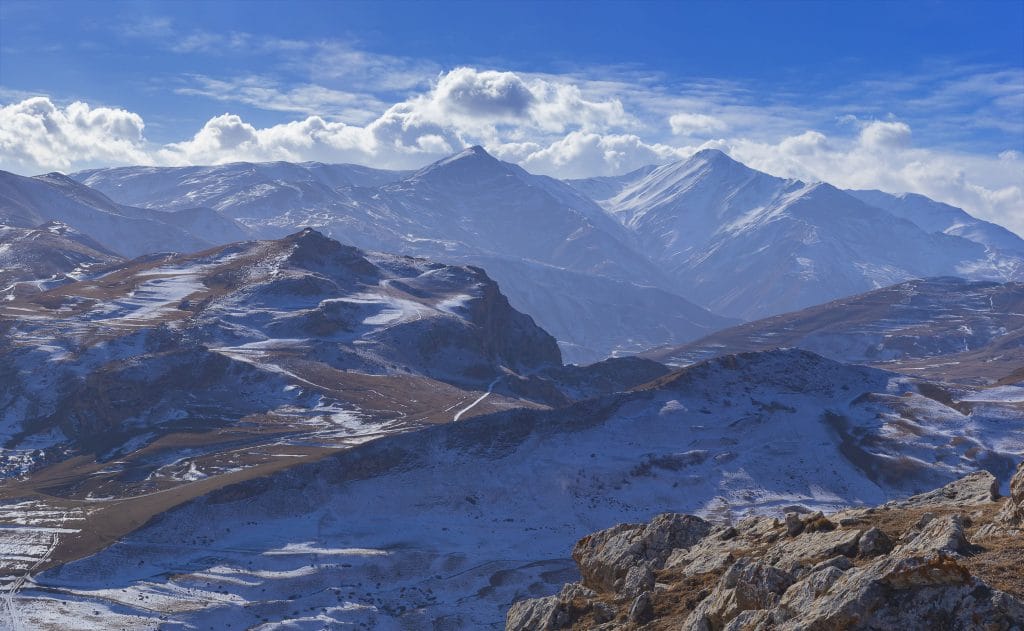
{"x":914,"y":564}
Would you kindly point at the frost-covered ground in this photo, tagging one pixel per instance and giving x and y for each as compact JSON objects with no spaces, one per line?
{"x":443,"y":528}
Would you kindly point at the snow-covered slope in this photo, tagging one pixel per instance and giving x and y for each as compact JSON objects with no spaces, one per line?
{"x":30,"y":202}
{"x":747,"y":244}
{"x":34,"y":259}
{"x":468,"y":517}
{"x":607,"y":186}
{"x":241,"y":189}
{"x":555,"y":252}
{"x":933,"y":216}
{"x":917,"y":325}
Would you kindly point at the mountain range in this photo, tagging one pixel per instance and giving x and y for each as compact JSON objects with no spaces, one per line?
{"x":314,"y":396}
{"x":706,"y":239}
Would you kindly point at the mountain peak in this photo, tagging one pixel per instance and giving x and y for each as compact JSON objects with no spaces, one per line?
{"x":476,"y":153}
{"x":476,"y":150}
{"x":712,"y":154}
{"x":471,"y":162}
{"x":715,"y":158}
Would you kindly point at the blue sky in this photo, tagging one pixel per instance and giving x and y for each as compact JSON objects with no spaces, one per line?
{"x":924,"y":96}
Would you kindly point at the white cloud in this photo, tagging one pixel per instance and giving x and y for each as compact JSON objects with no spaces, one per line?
{"x":582,"y":154}
{"x":486,"y":103}
{"x":36,"y":135}
{"x":548,"y":124}
{"x":885,"y":135}
{"x":685,"y":124}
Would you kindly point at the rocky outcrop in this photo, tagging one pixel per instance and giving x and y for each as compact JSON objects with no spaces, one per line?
{"x":920,"y":563}
{"x":978,"y":488}
{"x":606,"y":558}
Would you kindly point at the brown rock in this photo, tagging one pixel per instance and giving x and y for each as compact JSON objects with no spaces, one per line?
{"x":794,"y":525}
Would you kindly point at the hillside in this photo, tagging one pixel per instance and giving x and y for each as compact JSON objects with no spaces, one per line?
{"x":940,"y":328}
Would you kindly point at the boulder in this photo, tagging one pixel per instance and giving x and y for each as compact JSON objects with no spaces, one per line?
{"x":941,"y":534}
{"x":639,"y":579}
{"x":642,"y":609}
{"x":873,"y":543}
{"x":557,"y":612}
{"x":605,"y":557}
{"x":802,"y":594}
{"x":747,"y":585}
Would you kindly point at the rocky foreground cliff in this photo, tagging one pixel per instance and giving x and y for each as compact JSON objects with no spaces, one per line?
{"x":948,"y":559}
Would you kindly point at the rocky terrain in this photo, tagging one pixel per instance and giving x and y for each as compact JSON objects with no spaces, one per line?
{"x":947,"y":559}
{"x":468,"y":517}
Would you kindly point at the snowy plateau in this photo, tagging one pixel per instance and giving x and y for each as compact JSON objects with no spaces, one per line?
{"x":308,"y":396}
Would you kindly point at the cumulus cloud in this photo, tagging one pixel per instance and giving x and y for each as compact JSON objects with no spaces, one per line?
{"x":486,"y":102}
{"x":489,"y":94}
{"x":37,"y":135}
{"x":885,"y":135}
{"x":386,"y":142}
{"x":581,"y":154}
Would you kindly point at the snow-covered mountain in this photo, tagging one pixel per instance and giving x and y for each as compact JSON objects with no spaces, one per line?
{"x":30,"y":202}
{"x":747,"y":244}
{"x":941,"y":328}
{"x":468,"y":517}
{"x":707,"y":229}
{"x":555,"y":252}
{"x":170,"y":376}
